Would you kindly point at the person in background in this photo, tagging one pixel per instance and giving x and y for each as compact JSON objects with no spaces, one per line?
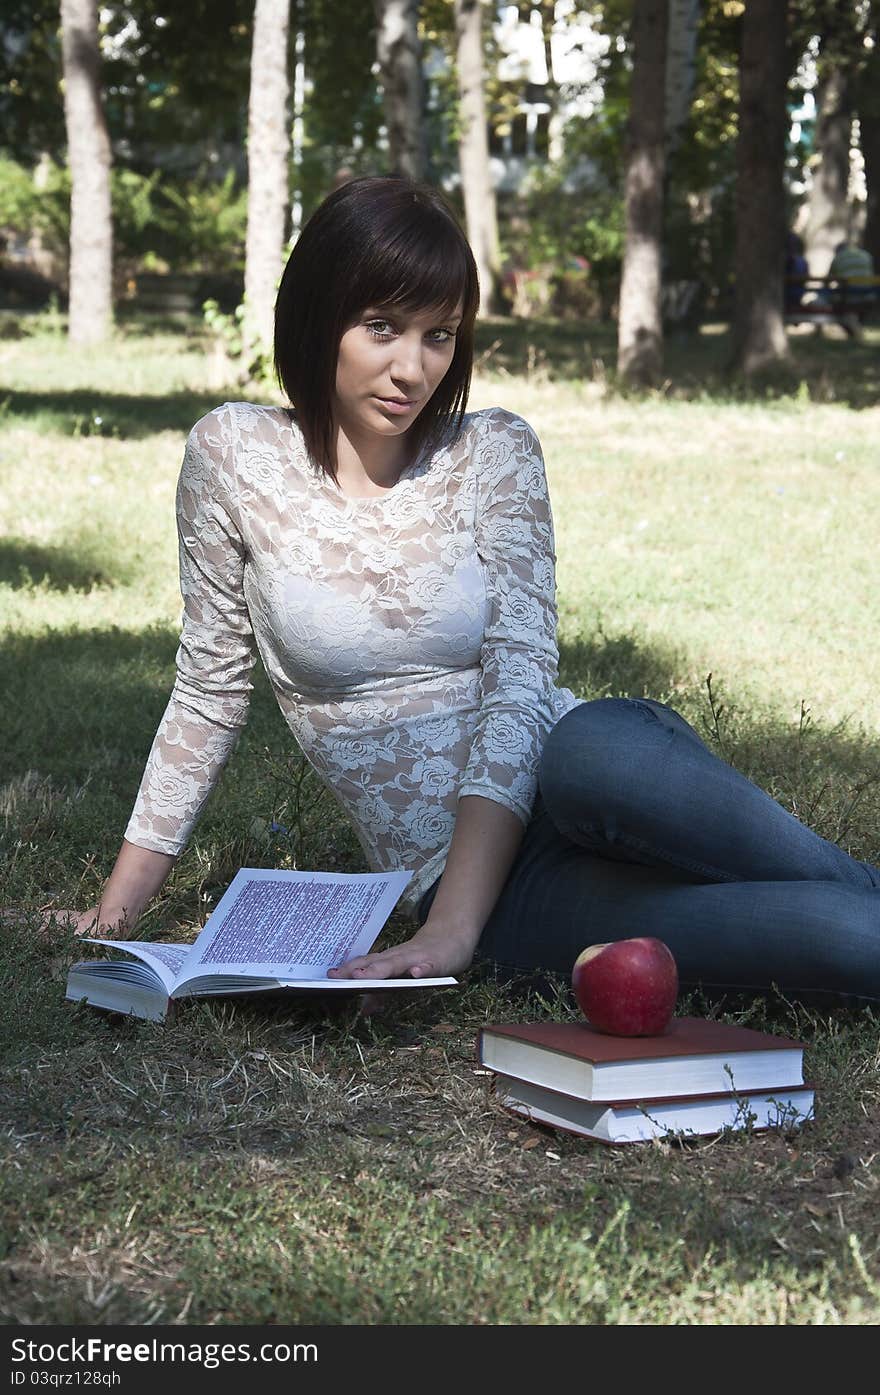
{"x":853,"y":264}
{"x":853,"y":267}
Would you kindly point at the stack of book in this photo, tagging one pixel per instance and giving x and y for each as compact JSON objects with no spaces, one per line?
{"x":699,"y":1077}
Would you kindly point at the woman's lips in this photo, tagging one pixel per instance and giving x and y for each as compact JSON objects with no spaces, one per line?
{"x":398,"y":408}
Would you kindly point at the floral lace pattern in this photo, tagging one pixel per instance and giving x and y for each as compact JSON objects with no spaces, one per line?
{"x":409,"y":638}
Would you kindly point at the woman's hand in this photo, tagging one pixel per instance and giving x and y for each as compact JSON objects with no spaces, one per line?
{"x":97,"y":921}
{"x":137,"y":876}
{"x":434,"y":951}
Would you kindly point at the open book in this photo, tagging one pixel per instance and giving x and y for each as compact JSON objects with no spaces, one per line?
{"x":271,"y":931}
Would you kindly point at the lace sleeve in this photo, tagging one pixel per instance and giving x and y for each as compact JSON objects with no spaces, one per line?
{"x":519,"y":657}
{"x":209,"y":701}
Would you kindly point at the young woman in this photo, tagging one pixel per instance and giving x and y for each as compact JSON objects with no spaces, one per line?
{"x":389,"y":558}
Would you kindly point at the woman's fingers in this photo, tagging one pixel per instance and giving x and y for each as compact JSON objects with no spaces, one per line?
{"x":390,"y":964}
{"x":378,"y":968}
{"x":61,"y":920}
{"x":78,"y":922}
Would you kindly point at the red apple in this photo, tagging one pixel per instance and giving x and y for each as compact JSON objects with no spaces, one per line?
{"x":627,"y":988}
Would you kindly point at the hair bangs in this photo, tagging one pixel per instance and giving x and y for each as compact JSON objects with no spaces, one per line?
{"x":423,"y":267}
{"x":432,"y":276}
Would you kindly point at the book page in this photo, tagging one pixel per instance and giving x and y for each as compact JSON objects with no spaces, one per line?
{"x":293,"y":925}
{"x":166,"y":960}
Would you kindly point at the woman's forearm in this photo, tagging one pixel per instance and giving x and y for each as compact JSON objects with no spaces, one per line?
{"x":484,"y":844}
{"x":138,"y":875}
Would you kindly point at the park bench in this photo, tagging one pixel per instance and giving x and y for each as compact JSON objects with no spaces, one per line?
{"x":829,"y":301}
{"x":171,"y":296}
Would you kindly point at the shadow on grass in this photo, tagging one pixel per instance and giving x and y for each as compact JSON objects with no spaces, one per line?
{"x":823,"y":368}
{"x":84,"y":706}
{"x":123,"y":416}
{"x":559,"y":349}
{"x":188,"y":1115}
{"x":24,"y":564}
{"x":80,"y":711}
{"x":90,"y":701}
{"x":175,"y":1102}
{"x":829,"y":777}
{"x":71,"y":699}
{"x":617,"y":665}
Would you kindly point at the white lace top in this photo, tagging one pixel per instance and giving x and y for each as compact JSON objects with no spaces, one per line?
{"x":409,"y":638}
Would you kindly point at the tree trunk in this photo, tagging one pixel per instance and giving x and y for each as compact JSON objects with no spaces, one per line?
{"x":640,"y":327}
{"x":681,"y":67}
{"x":827,"y":221}
{"x":759,"y":330}
{"x":88,"y":146}
{"x":400,"y":72}
{"x":555,"y":118}
{"x":548,"y":19}
{"x":473,"y":150}
{"x":868,"y":101}
{"x":268,"y":153}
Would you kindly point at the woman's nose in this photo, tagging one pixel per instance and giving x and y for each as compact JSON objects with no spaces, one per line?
{"x":408,"y":359}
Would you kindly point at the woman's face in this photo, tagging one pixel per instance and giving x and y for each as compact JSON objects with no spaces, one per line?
{"x":390,"y":363}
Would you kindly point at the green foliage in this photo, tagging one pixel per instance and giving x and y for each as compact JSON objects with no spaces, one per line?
{"x":561,"y":247}
{"x":548,"y":222}
{"x":701,"y":175}
{"x":135,"y":212}
{"x":31,"y":110}
{"x":227,"y":328}
{"x":204,"y":224}
{"x":246,"y":364}
{"x":193,"y":224}
{"x":27,"y":206}
{"x":176,"y":85}
{"x":343,"y":107}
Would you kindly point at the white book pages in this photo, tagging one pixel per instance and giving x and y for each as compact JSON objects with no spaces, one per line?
{"x":293,"y":925}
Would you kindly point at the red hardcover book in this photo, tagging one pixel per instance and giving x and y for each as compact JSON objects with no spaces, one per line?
{"x":694,"y":1056}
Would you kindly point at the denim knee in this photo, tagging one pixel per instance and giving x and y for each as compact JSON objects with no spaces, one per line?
{"x":597,"y":758}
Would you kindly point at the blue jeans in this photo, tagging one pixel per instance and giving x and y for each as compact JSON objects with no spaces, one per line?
{"x":638,"y":829}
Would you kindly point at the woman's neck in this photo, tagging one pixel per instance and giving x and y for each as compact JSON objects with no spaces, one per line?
{"x":370,"y":467}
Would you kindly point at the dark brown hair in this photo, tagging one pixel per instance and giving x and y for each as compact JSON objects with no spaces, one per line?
{"x":377,"y":240}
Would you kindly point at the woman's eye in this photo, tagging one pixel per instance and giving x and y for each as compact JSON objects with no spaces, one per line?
{"x":384,"y":329}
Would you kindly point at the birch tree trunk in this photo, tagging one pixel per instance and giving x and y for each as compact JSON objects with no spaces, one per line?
{"x":547,"y":9}
{"x":268,"y":154}
{"x":640,"y":325}
{"x":473,"y":151}
{"x":89,"y":157}
{"x":681,"y":67}
{"x":827,"y":221}
{"x":759,"y":331}
{"x":869,"y":140}
{"x":399,"y":54}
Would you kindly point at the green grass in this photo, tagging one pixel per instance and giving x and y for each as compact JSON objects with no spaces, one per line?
{"x":297,"y":1164}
